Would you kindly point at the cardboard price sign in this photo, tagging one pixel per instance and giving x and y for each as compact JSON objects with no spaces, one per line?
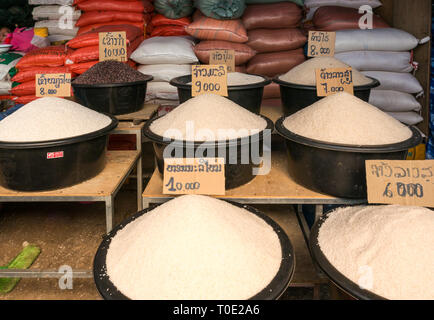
{"x":53,"y":85}
{"x":194,"y":176}
{"x":321,"y":44}
{"x":226,"y":57}
{"x":334,"y":80}
{"x":113,"y":46}
{"x":209,"y":79}
{"x":405,"y":182}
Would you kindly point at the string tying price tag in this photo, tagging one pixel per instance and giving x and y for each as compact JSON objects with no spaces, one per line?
{"x":209,"y":79}
{"x":194,"y":176}
{"x":321,"y":44}
{"x":334,"y":80}
{"x":53,"y":85}
{"x":113,"y":46}
{"x":404,"y":182}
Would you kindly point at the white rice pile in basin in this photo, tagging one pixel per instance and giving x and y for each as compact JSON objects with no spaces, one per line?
{"x":389,"y":250}
{"x":242,"y":79}
{"x":50,"y":118}
{"x":208,"y":117}
{"x":194,"y":247}
{"x":345,"y":119}
{"x":305,"y":73}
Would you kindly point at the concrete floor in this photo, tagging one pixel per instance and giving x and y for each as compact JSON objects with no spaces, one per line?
{"x":69,"y":234}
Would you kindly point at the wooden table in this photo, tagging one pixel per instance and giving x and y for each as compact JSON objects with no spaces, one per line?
{"x":139,"y":116}
{"x":104,"y":187}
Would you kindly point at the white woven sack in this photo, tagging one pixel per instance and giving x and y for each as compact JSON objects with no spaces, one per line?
{"x":397,"y":81}
{"x":54,"y":12}
{"x":165,"y":72}
{"x":383,"y":39}
{"x":165,"y":50}
{"x":378,"y":60}
{"x":48,"y":2}
{"x":409,"y":118}
{"x":342,"y":3}
{"x":394,"y":101}
{"x":161,"y":90}
{"x":54,"y":27}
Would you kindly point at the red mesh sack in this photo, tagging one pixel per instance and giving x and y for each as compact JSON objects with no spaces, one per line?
{"x":243,"y":53}
{"x":272,"y":16}
{"x":53,"y":56}
{"x":275,"y":63}
{"x":92,"y":17}
{"x":273,"y":40}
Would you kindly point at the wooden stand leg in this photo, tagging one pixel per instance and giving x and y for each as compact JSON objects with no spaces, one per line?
{"x":139,"y":170}
{"x":109,"y":213}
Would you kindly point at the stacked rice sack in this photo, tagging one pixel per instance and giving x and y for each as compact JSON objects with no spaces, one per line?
{"x":8,"y":60}
{"x":217,"y":34}
{"x":58,"y":16}
{"x":172,"y":18}
{"x":83,"y":50}
{"x":45,"y":60}
{"x":273,"y":33}
{"x":164,"y":58}
{"x":98,"y":13}
{"x":385,"y":54}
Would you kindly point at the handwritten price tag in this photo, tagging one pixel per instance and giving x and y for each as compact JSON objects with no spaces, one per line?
{"x":321,"y":44}
{"x":194,"y":176}
{"x":401,"y":182}
{"x":334,"y":80}
{"x":53,"y":85}
{"x":226,"y":57}
{"x":209,"y":79}
{"x":113,"y":46}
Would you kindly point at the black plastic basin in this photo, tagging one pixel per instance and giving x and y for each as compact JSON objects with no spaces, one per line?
{"x":116,"y":98}
{"x":247,"y":96}
{"x":273,"y":291}
{"x":297,"y":96}
{"x":235,"y":174}
{"x":38,"y":166}
{"x":337,"y":169}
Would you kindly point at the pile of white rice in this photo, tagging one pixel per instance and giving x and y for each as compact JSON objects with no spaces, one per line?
{"x":305,"y":73}
{"x":388,"y":250}
{"x":242,"y":79}
{"x":50,"y":118}
{"x":208,"y":117}
{"x":345,"y":119}
{"x":194,"y":247}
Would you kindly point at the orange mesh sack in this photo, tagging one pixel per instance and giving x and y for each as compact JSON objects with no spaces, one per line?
{"x":53,"y":56}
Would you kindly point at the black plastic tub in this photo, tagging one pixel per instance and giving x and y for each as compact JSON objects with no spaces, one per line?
{"x":235,"y":174}
{"x":351,"y":288}
{"x":39,"y":166}
{"x":116,"y":98}
{"x":247,"y":96}
{"x":297,"y":96}
{"x":337,"y":169}
{"x":273,"y":291}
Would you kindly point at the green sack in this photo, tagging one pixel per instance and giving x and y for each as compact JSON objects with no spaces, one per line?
{"x":174,"y":9}
{"x":221,"y":9}
{"x":299,"y":2}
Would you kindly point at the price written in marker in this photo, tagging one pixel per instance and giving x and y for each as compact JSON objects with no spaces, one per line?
{"x":113,"y":46}
{"x":53,"y":85}
{"x":334,"y":80}
{"x":194,"y":176}
{"x":321,"y":44}
{"x":209,"y":79}
{"x":226,"y":57}
{"x":404,"y":182}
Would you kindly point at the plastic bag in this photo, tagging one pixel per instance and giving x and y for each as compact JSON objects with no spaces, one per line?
{"x":333,"y":18}
{"x":276,"y":63}
{"x":394,"y":101}
{"x":163,"y":50}
{"x":387,"y":39}
{"x":205,"y":28}
{"x":165,"y":72}
{"x":92,"y":17}
{"x":92,"y":38}
{"x":273,"y":40}
{"x":53,"y":56}
{"x":272,"y":16}
{"x":8,"y":60}
{"x":221,"y":9}
{"x":397,"y":81}
{"x":174,"y":9}
{"x":116,"y":5}
{"x":243,"y":53}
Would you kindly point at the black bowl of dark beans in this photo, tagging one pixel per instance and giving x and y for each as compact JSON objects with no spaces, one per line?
{"x":111,"y":87}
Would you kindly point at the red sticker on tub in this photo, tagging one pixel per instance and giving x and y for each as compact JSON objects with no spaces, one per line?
{"x":55,"y":155}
